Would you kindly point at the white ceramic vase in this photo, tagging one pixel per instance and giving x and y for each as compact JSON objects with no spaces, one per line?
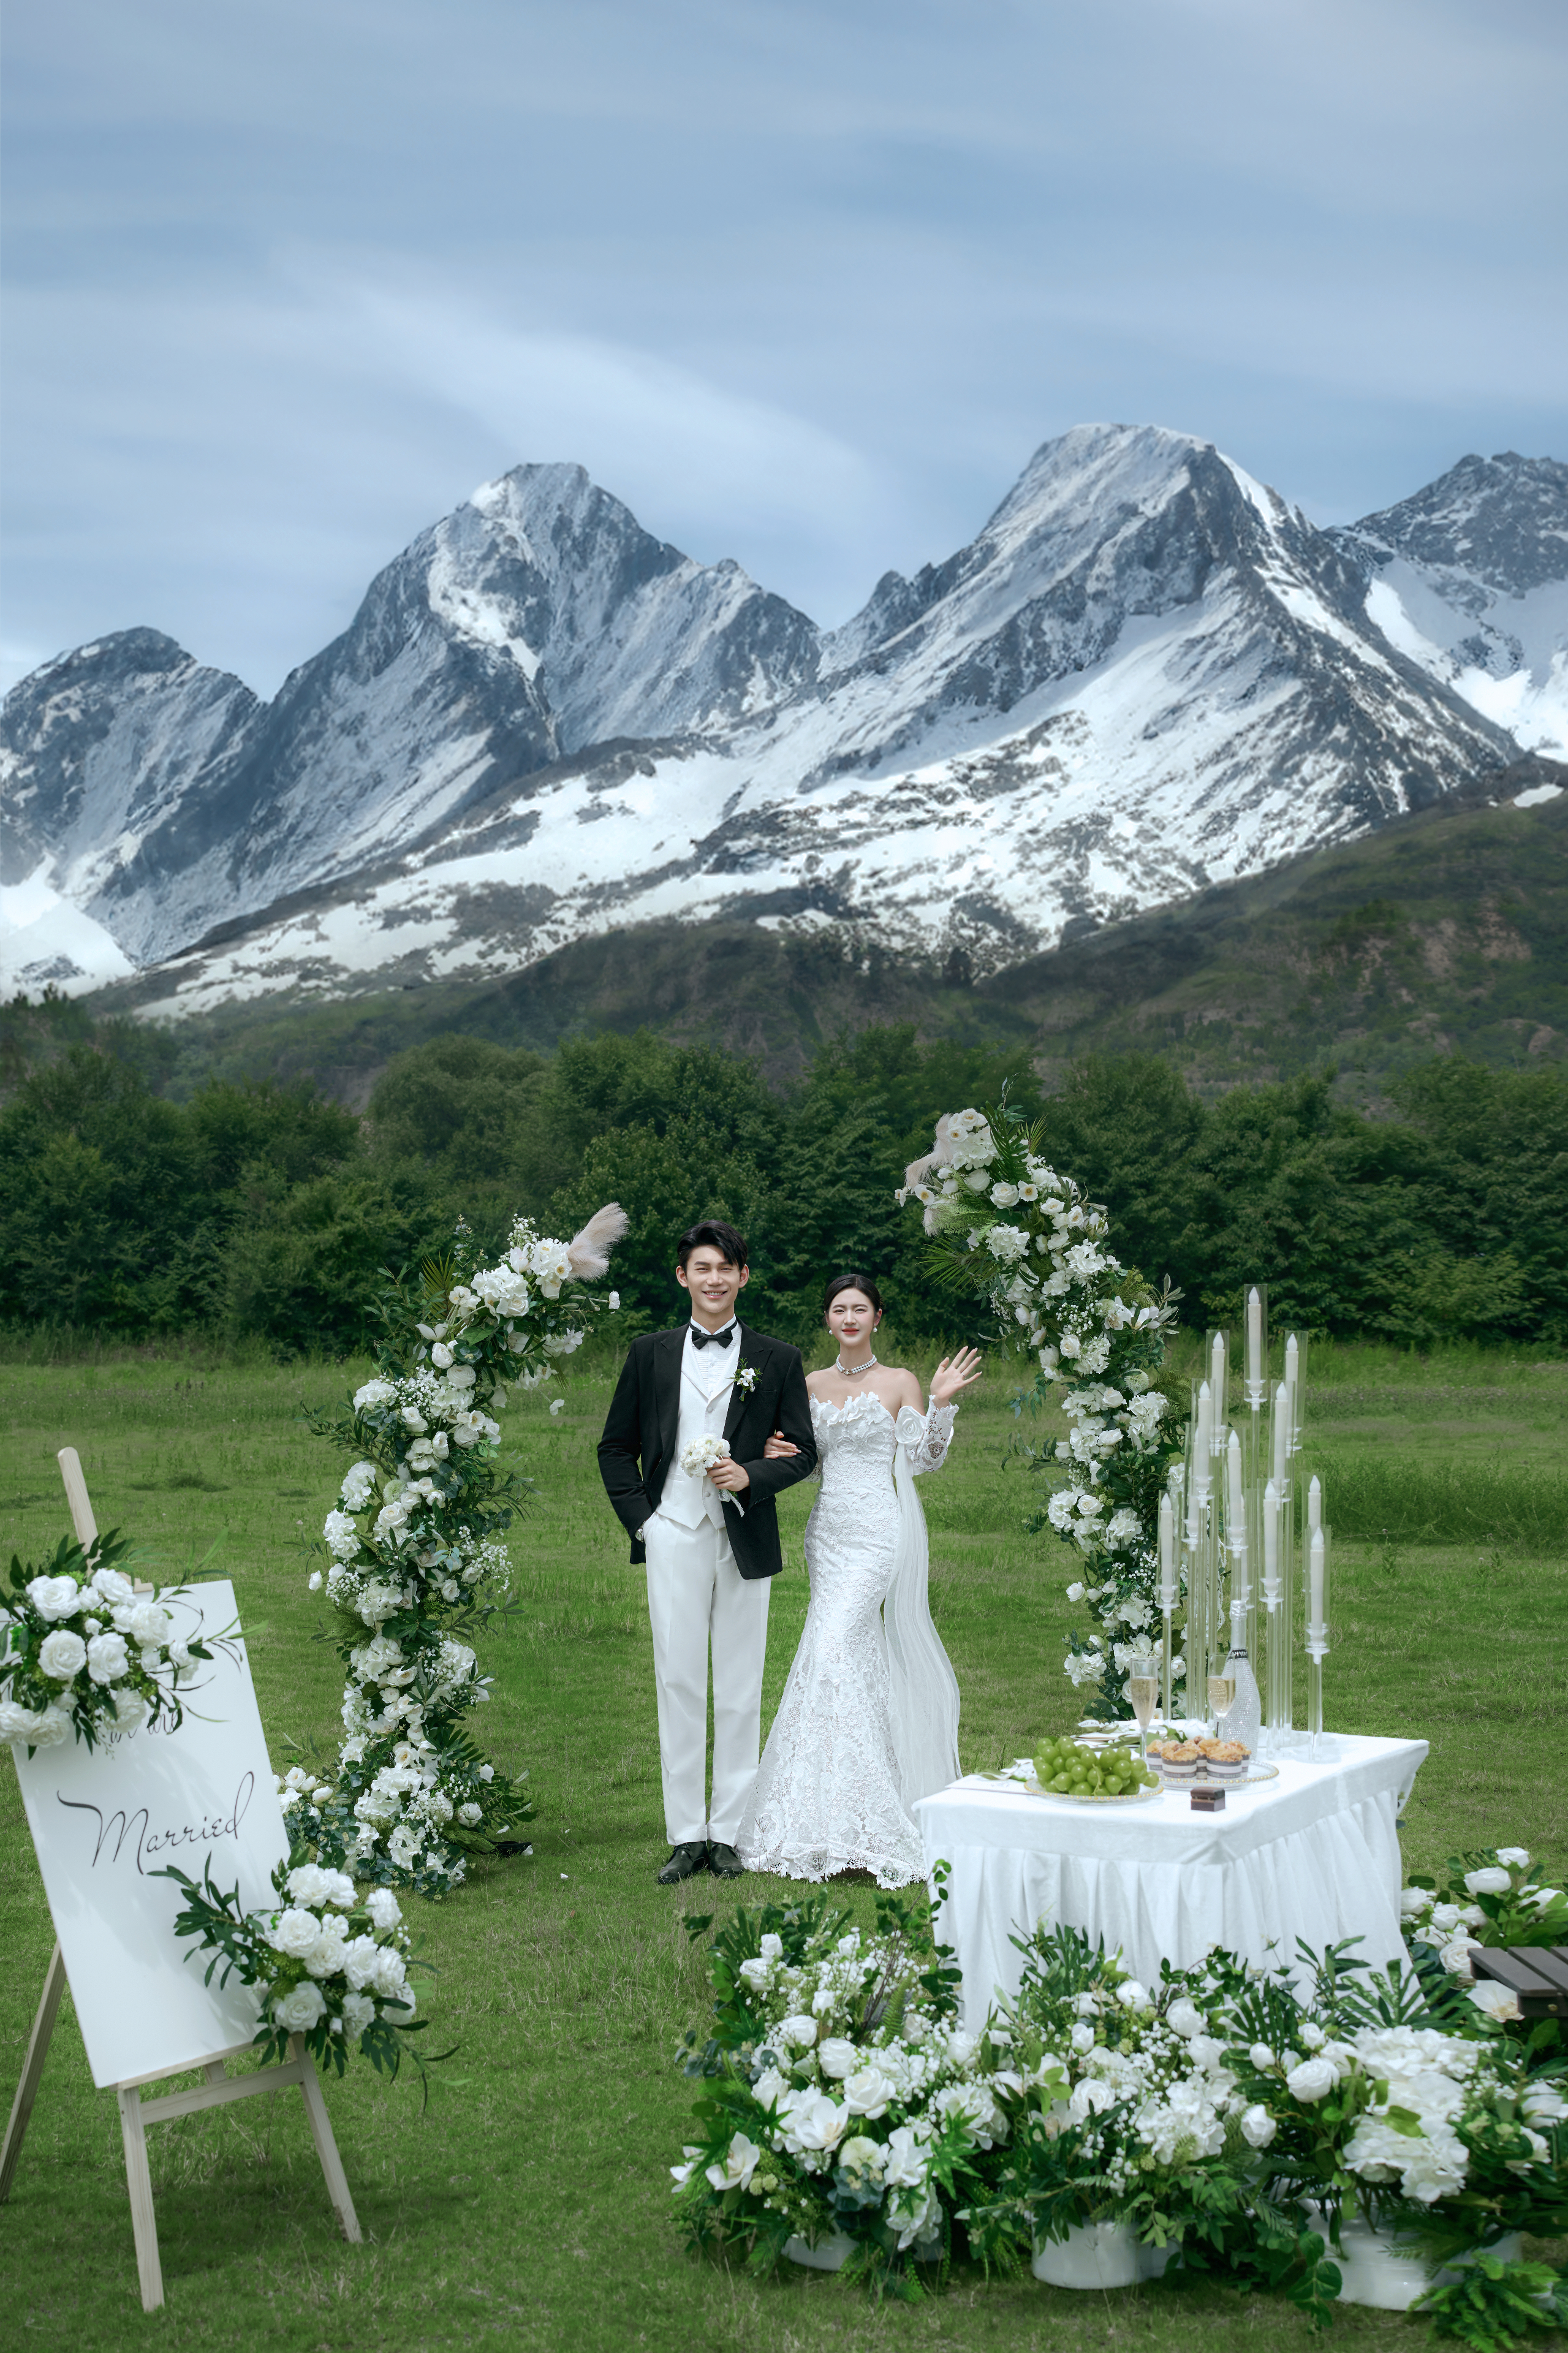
{"x":1098,"y":2256}
{"x":1382,"y":2269}
{"x":829,"y":2254}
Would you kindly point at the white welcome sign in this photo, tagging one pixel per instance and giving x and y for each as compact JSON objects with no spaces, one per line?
{"x":105,"y":1819}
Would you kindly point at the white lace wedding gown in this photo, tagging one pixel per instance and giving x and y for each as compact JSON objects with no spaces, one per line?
{"x":868,"y":1720}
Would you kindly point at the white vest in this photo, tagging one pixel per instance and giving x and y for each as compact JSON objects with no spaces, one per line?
{"x":706,"y":1385}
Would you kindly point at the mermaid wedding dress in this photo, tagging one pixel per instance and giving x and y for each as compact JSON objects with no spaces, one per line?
{"x":868,"y":1720}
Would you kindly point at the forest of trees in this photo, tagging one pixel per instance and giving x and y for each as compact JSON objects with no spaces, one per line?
{"x":270,"y":1211}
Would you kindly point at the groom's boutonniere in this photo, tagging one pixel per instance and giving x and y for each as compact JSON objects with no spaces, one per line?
{"x":745,"y":1379}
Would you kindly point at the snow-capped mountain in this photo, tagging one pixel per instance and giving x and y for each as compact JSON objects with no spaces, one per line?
{"x":1471,"y":579}
{"x":1147,"y":673}
{"x":162,"y":798}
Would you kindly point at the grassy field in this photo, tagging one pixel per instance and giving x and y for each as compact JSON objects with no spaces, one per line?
{"x":529,"y":2205}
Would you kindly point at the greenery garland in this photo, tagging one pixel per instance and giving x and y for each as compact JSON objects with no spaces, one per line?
{"x":1002,"y":1222}
{"x":417,"y":1557}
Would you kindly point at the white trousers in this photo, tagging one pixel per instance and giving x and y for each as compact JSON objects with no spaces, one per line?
{"x":697,"y":1595}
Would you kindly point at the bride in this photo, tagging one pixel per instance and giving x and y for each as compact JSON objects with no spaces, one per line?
{"x":868,"y":1720}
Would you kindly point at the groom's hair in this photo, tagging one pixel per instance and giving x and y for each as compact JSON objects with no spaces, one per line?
{"x":712,"y":1233}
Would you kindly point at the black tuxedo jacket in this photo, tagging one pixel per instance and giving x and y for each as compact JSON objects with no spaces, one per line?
{"x":637,"y":1452}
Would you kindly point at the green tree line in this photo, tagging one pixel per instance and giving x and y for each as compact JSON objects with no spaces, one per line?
{"x":270,"y":1211}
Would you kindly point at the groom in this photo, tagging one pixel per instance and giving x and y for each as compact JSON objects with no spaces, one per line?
{"x":710,"y":1539}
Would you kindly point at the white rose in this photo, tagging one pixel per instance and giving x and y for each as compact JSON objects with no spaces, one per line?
{"x":1184,"y":2018}
{"x":299,"y":2010}
{"x":1415,"y":1903}
{"x":150,"y":1625}
{"x":115,"y":1591}
{"x":359,"y":2012}
{"x":1489,"y":1881}
{"x":16,"y":1723}
{"x":869,"y":2092}
{"x":294,"y":1932}
{"x":325,"y":1957}
{"x":51,"y":1728}
{"x":387,"y":1975}
{"x":837,"y":2057}
{"x":62,"y":1654}
{"x":360,"y":1955}
{"x":54,"y":1596}
{"x":441,"y":1356}
{"x":1258,"y":2126}
{"x":1519,"y":1856}
{"x":130,"y":1710}
{"x":383,"y":1908}
{"x":796,"y":2033}
{"x":107,"y":1658}
{"x":1314,"y":2079}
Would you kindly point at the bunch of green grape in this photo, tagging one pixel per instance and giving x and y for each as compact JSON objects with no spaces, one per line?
{"x":1069,"y":1771}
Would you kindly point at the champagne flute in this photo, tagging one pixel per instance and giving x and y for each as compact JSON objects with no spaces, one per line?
{"x":1222,"y":1691}
{"x":1143,"y":1691}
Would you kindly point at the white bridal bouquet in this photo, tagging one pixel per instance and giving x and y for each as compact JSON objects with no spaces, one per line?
{"x":326,"y":1963}
{"x":1005,"y":1223}
{"x":417,"y":1555}
{"x":699,"y":1454}
{"x":82,"y":1651}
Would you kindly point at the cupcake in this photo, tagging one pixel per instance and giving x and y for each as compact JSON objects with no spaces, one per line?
{"x":1179,"y":1761}
{"x":1226,"y":1761}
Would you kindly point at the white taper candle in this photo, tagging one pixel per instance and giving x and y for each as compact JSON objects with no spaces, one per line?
{"x":1281,"y":1433}
{"x":1315,"y":1506}
{"x":1254,"y":1344}
{"x":1167,"y":1555}
{"x":1315,"y":1583}
{"x":1271,"y":1540}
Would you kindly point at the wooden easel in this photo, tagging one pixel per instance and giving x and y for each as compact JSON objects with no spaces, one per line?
{"x":135,"y":2113}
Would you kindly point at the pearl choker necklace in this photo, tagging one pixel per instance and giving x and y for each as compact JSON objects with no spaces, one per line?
{"x":849,"y":1371}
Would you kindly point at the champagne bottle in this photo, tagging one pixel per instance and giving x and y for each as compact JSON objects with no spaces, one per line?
{"x":1243,"y":1718}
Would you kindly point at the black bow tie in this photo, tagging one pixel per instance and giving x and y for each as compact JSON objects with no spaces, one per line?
{"x":700,"y":1338}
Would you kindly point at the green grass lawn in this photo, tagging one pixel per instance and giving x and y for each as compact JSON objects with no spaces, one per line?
{"x":530,"y":2205}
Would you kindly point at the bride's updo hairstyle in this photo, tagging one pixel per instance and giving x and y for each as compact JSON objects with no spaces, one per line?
{"x":851,"y":1282}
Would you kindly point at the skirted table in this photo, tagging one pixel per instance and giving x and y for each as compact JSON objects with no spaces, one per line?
{"x":1314,"y":1855}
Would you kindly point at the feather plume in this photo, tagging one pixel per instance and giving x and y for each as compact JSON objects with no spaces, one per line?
{"x":588,"y":1252}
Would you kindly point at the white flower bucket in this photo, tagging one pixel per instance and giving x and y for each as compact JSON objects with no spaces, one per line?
{"x":1098,"y":2256}
{"x":1382,"y":2269}
{"x":828,"y":2255}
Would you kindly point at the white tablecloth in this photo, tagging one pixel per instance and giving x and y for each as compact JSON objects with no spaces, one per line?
{"x":1314,"y":1855}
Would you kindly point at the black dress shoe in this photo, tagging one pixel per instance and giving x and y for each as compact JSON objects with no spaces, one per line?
{"x":724,"y":1863}
{"x":685,"y":1862}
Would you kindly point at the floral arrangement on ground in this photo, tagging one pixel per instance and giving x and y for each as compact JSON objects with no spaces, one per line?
{"x":842,"y":2106}
{"x":1002,"y":1222}
{"x":83,"y":1653}
{"x":327,"y":1964}
{"x":417,"y":1557}
{"x":1237,"y":2124}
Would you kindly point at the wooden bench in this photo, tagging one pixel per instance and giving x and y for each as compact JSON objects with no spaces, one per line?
{"x":1538,"y":1974}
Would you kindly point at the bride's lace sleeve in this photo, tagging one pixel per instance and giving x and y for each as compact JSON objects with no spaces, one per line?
{"x":928,"y":1437}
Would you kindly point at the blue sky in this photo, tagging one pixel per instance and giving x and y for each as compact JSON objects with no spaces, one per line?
{"x":803,"y":284}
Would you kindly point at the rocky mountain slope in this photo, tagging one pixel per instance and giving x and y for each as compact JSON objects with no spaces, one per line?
{"x":1147,"y":674}
{"x":1446,"y":931}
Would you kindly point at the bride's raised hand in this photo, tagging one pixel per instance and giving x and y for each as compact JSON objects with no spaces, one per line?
{"x":777,"y":1447}
{"x":955,"y":1373}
